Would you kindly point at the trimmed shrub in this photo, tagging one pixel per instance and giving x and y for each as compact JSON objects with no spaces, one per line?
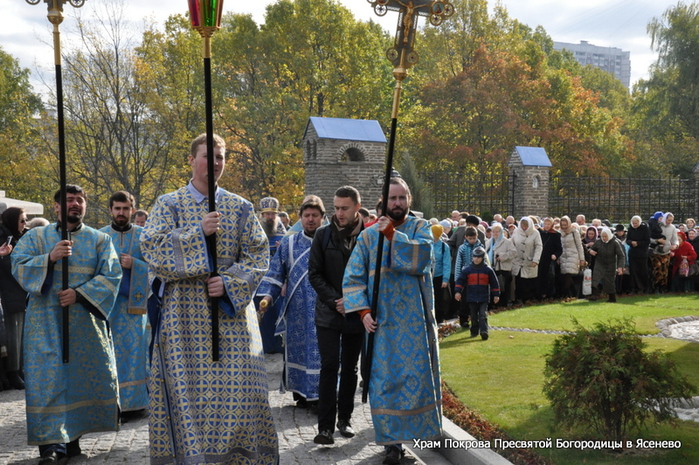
{"x":602,"y":380}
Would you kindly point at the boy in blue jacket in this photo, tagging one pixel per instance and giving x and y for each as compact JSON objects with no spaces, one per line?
{"x":479,"y":281}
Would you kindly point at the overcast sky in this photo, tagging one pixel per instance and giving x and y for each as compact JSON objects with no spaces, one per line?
{"x":26,"y":33}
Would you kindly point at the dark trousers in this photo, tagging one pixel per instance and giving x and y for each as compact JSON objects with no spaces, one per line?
{"x":441,"y":304}
{"x":337,"y":350}
{"x":638,"y":270}
{"x":479,"y":318}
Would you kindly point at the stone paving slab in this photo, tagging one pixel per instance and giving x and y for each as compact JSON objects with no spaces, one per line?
{"x":296,"y":429}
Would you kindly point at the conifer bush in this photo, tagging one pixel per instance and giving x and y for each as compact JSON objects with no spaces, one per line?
{"x":603,"y":380}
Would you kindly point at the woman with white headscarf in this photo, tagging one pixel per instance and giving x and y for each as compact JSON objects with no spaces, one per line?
{"x":525,"y":266}
{"x":638,"y":240}
{"x":501,"y":252}
{"x":661,"y":256}
{"x":609,"y":262}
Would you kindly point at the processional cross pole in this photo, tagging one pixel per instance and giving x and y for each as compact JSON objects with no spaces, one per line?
{"x":403,"y":56}
{"x":55,"y":16}
{"x":206,"y":19}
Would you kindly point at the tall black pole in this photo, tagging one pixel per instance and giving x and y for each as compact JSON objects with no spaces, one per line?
{"x":211,"y":160}
{"x":55,"y":16}
{"x":366,"y":375}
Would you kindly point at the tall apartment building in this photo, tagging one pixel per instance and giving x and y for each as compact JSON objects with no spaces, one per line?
{"x":611,"y":59}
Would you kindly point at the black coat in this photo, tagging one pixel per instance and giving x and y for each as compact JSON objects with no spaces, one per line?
{"x":641,"y":236}
{"x":14,"y":298}
{"x":326,"y":268}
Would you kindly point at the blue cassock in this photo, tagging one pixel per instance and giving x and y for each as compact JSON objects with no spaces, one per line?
{"x":297,"y":317}
{"x":128,"y":321}
{"x":65,"y":401}
{"x":203,"y":411}
{"x":404,"y":389}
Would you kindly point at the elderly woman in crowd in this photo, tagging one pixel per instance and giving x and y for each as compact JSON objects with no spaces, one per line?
{"x":660,"y":258}
{"x":638,"y":240}
{"x":501,"y":253}
{"x":684,"y":251}
{"x":609,"y":262}
{"x":551,"y":243}
{"x":572,"y":258}
{"x":525,"y":267}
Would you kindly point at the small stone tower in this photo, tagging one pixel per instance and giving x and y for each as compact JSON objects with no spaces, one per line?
{"x":338,"y":152}
{"x":529,"y":181}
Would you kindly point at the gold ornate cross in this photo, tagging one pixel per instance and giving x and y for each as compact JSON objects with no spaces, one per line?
{"x":402,"y":54}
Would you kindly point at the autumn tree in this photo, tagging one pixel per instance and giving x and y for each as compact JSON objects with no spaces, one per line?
{"x":666,"y":106}
{"x":114,"y":138}
{"x":24,"y":165}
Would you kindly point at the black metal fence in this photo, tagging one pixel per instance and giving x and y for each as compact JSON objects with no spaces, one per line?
{"x":618,"y":199}
{"x":482,"y":193}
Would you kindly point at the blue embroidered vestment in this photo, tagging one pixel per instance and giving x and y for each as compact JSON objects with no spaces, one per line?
{"x":404,"y":389}
{"x":128,"y":322}
{"x":65,"y":401}
{"x":203,"y":411}
{"x":297,"y":320}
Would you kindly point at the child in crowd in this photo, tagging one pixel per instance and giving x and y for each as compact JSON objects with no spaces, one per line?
{"x":463,"y":259}
{"x":479,"y":281}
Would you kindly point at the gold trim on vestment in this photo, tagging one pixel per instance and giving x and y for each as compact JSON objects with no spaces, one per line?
{"x":403,"y":413}
{"x":73,"y":406}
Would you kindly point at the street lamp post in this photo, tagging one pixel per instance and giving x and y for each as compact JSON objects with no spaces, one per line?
{"x":206,"y":19}
{"x":403,"y":57}
{"x":55,"y":16}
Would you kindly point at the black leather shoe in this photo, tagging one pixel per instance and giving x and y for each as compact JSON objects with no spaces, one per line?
{"x":393,"y":455}
{"x":325,"y":437}
{"x":49,"y":458}
{"x":73,"y":448}
{"x":15,"y":380}
{"x":345,"y":428}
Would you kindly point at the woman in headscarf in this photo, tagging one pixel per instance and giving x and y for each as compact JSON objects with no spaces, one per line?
{"x":638,"y":240}
{"x":609,"y":262}
{"x":13,"y":297}
{"x":684,"y":251}
{"x":589,"y":239}
{"x":660,"y":258}
{"x":501,"y":253}
{"x":525,"y":267}
{"x":572,"y":258}
{"x":552,"y":249}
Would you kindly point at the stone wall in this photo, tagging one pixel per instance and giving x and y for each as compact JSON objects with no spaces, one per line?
{"x":333,"y":163}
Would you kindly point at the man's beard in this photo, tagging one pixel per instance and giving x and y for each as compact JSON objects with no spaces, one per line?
{"x":74,"y":217}
{"x":270,"y":226}
{"x":120,"y":221}
{"x":398,"y":214}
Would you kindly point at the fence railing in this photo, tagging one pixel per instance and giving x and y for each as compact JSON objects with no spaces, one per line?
{"x":618,"y":199}
{"x":481,"y":193}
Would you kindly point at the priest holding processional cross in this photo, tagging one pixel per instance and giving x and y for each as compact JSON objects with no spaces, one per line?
{"x":401,"y":366}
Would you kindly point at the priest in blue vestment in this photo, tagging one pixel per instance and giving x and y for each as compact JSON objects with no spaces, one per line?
{"x":128,"y":319}
{"x":404,"y":386}
{"x":205,"y":411}
{"x":67,"y":400}
{"x":297,"y":319}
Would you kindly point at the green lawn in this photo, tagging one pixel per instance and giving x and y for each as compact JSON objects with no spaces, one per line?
{"x":502,"y":378}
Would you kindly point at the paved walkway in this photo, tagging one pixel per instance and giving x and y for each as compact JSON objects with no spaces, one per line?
{"x":296,"y":429}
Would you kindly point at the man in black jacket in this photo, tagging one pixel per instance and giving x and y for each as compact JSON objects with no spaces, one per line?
{"x":340,"y":336}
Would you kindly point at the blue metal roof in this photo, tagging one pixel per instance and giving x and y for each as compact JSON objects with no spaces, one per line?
{"x":533,"y":156}
{"x":347,"y":129}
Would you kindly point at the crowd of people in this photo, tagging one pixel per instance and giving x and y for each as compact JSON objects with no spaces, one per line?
{"x":221,"y":287}
{"x":557,"y":258}
{"x":171,"y":312}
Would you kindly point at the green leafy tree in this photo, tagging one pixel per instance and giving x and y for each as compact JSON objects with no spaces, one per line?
{"x":665,"y":120}
{"x":24,"y":166}
{"x":422,"y":198}
{"x":601,"y":378}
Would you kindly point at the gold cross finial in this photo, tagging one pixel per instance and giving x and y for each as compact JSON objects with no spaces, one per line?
{"x":402,"y":54}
